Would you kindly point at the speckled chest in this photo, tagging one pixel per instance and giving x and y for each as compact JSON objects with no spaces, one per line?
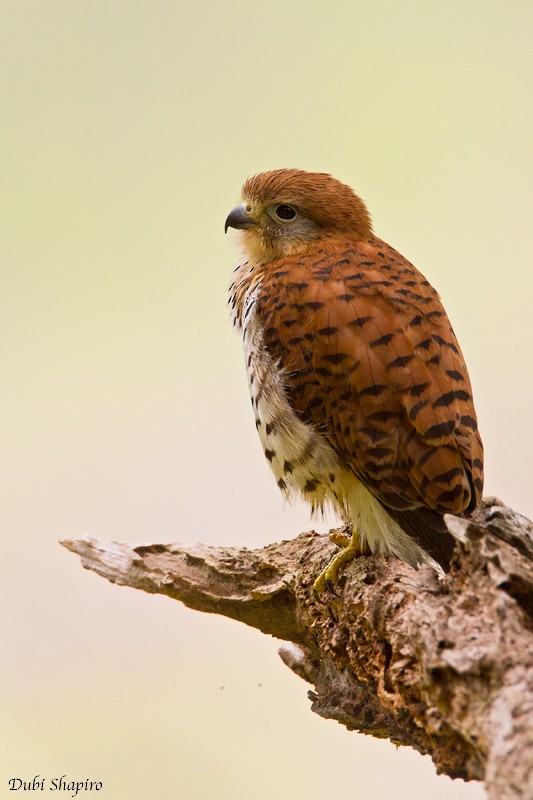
{"x":302,"y":461}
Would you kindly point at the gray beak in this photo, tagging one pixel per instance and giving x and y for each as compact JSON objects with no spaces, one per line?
{"x":238,"y":218}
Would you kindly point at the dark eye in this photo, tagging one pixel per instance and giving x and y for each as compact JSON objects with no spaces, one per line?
{"x":285,"y":212}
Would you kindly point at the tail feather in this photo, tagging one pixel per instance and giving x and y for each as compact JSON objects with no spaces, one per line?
{"x":428,"y":529}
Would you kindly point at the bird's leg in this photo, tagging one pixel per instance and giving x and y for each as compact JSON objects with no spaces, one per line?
{"x":351,"y":548}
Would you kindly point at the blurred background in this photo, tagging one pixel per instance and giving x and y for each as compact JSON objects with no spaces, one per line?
{"x":128,"y":127}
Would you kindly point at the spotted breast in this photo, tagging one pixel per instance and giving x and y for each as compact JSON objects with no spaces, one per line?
{"x":303,"y":462}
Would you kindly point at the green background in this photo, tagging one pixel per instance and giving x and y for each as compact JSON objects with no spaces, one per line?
{"x":127,"y":129}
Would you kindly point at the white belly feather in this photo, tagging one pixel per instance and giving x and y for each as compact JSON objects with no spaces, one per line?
{"x":300,"y":458}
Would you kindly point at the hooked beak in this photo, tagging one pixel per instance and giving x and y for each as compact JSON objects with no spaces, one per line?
{"x":238,"y":218}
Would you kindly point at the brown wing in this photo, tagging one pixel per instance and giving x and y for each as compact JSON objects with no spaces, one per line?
{"x":372,"y":361}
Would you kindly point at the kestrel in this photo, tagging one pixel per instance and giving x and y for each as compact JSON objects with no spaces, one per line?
{"x":359,"y":388}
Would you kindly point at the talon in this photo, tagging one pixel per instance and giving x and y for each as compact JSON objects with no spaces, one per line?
{"x":319,"y":585}
{"x":330,"y":586}
{"x":316,"y":595}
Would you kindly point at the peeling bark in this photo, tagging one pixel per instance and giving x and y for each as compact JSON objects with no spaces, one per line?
{"x":442,"y":665}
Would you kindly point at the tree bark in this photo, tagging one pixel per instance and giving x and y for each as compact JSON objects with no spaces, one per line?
{"x":444,"y":665}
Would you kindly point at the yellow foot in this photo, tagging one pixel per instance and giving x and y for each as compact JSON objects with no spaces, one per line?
{"x":328,"y":577}
{"x":340,"y":539}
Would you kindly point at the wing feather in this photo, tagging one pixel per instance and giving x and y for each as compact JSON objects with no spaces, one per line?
{"x":371,"y":360}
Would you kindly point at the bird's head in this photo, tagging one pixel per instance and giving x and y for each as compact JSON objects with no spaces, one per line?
{"x":285,"y":211}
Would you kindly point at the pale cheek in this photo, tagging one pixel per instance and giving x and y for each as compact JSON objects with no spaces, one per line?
{"x":249,"y":243}
{"x":265,"y":244}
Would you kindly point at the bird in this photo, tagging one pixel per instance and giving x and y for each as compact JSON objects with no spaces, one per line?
{"x":360,"y":392}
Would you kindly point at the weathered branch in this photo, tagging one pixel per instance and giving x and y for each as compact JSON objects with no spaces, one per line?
{"x":442,"y":665}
